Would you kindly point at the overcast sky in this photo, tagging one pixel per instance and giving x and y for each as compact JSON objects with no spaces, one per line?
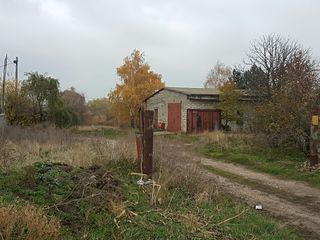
{"x":82,"y":42}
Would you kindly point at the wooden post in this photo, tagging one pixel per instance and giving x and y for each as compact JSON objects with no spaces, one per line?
{"x":314,"y":138}
{"x":147,"y":142}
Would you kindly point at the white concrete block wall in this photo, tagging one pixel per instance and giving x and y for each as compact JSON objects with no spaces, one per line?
{"x":160,"y":101}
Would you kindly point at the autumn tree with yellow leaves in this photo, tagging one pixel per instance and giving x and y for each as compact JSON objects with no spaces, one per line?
{"x":137,"y":83}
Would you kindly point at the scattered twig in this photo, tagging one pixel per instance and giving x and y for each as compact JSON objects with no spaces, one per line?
{"x":116,"y":222}
{"x":133,"y":213}
{"x":171,"y":198}
{"x":121,"y":214}
{"x":228,"y":219}
{"x":2,"y":238}
{"x":72,"y":200}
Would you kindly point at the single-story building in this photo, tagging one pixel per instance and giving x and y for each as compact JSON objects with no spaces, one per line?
{"x":186,"y":109}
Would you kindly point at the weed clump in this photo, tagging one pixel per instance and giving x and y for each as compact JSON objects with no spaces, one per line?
{"x":79,"y":197}
{"x":27,"y":222}
{"x":177,"y":170}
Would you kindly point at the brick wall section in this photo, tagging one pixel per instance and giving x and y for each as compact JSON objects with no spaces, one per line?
{"x":161,"y":99}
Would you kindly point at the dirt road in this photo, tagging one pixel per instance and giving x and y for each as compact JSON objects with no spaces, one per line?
{"x":295,"y":203}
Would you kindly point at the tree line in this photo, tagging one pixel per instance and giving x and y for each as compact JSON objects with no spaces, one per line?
{"x":283,"y":77}
{"x":39,"y":98}
{"x":278,"y":72}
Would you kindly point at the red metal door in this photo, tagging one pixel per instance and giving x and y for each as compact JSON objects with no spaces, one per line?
{"x":203,"y":120}
{"x":174,"y":117}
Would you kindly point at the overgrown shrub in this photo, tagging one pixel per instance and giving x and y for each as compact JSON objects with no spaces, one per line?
{"x":18,"y":107}
{"x":64,"y":117}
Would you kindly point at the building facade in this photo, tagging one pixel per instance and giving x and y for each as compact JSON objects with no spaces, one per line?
{"x":185,"y":109}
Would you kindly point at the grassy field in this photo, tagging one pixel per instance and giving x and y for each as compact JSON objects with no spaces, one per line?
{"x":102,"y":131}
{"x":254,"y":152}
{"x":57,"y":185}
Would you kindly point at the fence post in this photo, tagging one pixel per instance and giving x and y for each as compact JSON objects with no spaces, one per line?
{"x":147,"y":142}
{"x":314,"y":138}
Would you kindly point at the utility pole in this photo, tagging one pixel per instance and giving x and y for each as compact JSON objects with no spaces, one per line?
{"x":4,"y":82}
{"x":16,"y":77}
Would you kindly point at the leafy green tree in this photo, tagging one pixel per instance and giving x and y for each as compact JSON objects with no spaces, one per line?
{"x":253,"y":79}
{"x":64,"y":117}
{"x":38,"y":100}
{"x":238,"y":78}
{"x":229,"y":103}
{"x":44,"y":94}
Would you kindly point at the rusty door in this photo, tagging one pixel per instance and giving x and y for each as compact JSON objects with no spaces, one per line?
{"x":199,"y":120}
{"x":174,"y":117}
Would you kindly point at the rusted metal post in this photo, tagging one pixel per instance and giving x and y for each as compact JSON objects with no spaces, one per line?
{"x":147,"y":164}
{"x":139,"y":141}
{"x":314,"y":139}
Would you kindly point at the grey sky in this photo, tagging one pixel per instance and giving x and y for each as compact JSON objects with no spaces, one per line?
{"x":81,"y":42}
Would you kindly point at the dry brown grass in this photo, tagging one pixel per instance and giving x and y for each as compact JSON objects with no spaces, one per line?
{"x":228,"y":140}
{"x":23,"y":146}
{"x":27,"y":222}
{"x":177,"y":168}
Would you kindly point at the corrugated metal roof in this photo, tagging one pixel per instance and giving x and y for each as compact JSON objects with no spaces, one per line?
{"x":194,"y":91}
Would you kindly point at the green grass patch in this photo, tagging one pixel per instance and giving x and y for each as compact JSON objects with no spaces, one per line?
{"x":249,"y":225}
{"x":286,"y":161}
{"x":105,"y":202}
{"x":275,"y":163}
